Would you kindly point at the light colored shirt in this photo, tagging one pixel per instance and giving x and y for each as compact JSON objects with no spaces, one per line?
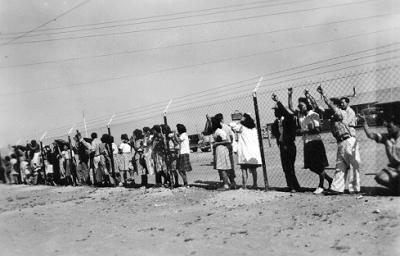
{"x":311,"y":119}
{"x":67,"y":155}
{"x":184,"y":147}
{"x":339,"y":128}
{"x":222,"y":134}
{"x":228,"y":131}
{"x":95,"y":146}
{"x":349,"y":118}
{"x":125,"y":148}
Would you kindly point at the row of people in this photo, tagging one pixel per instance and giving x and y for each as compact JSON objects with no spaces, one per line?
{"x":161,"y":152}
{"x":157,"y":151}
{"x":307,"y":121}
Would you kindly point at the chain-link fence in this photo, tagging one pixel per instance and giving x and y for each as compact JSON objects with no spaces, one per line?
{"x":370,"y":90}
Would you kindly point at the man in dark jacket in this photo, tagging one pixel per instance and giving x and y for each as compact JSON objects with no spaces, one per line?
{"x":284,"y":130}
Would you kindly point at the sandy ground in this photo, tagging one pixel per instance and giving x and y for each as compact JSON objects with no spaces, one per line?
{"x":40,"y":220}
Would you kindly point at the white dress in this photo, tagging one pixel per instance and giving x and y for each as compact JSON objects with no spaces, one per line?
{"x":248,"y":145}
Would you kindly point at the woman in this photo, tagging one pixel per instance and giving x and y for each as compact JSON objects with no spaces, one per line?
{"x":314,"y":150}
{"x":124,"y":163}
{"x":172,"y":153}
{"x":68,"y":156}
{"x":222,"y":161}
{"x":137,"y":142}
{"x":148,"y":149}
{"x":249,"y":156}
{"x":159,"y":155}
{"x":184,"y":165}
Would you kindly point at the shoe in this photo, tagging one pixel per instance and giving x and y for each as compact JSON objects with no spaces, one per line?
{"x":331,"y":192}
{"x":318,"y":191}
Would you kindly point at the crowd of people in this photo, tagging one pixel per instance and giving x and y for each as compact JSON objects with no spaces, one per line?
{"x":100,"y":162}
{"x":164,"y":153}
{"x":306,"y":120}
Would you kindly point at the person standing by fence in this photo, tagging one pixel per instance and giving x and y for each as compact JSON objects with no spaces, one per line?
{"x":124,"y":160}
{"x":315,"y":157}
{"x":159,"y":159}
{"x":346,"y":153}
{"x":230,"y":139}
{"x":184,"y":165}
{"x":222,"y":160}
{"x":284,"y":130}
{"x":139,"y":161}
{"x":148,"y":150}
{"x":249,"y":156}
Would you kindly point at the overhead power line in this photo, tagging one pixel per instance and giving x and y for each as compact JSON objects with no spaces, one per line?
{"x":191,"y":25}
{"x":194,"y":43}
{"x":44,"y":24}
{"x":141,"y":18}
{"x":43,"y":32}
{"x":182,"y":67}
{"x":243,"y":88}
{"x":192,"y":105}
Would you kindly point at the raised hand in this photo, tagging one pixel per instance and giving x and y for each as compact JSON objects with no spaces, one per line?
{"x":274,"y":97}
{"x":290,"y":91}
{"x":320,"y":90}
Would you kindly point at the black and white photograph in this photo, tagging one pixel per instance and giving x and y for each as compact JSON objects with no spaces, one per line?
{"x":200,"y":127}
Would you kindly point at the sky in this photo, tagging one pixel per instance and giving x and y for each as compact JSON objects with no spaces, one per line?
{"x":60,"y":60}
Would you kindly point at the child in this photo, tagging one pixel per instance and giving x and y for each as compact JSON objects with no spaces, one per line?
{"x":184,"y":165}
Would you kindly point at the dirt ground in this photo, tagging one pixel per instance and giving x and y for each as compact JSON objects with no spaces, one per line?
{"x":41,"y":220}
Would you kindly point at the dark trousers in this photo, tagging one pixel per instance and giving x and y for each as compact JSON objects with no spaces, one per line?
{"x":288,"y":158}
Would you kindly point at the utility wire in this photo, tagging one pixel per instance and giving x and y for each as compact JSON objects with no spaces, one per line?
{"x":160,"y":20}
{"x":200,"y":94}
{"x":209,"y":104}
{"x":247,"y":96}
{"x":44,"y":24}
{"x":142,"y":18}
{"x":191,"y":25}
{"x":184,"y":66}
{"x":194,"y":43}
{"x":242,"y":89}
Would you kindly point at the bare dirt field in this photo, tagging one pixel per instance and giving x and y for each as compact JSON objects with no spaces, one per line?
{"x":41,"y":220}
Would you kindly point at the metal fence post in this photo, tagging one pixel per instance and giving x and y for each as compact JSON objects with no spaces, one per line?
{"x":168,"y":157}
{"x":43,"y":162}
{"x":111,"y":156}
{"x":71,"y":160}
{"x":260,"y":140}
